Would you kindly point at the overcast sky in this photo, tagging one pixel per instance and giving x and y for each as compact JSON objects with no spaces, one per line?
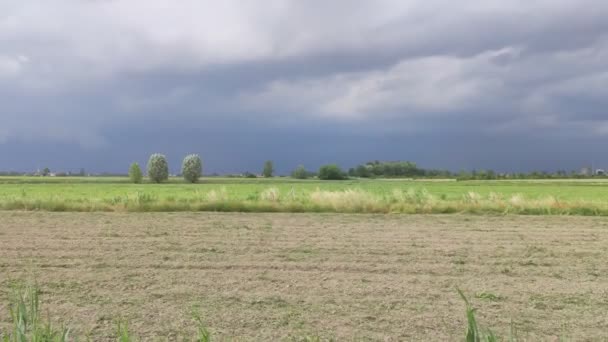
{"x":509,"y":85}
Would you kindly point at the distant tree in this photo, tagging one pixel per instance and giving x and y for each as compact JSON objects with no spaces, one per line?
{"x":394,"y":169}
{"x":331,"y":172}
{"x":300,"y":173}
{"x":248,"y":174}
{"x":268,"y":169}
{"x":464,"y":175}
{"x":46,"y":172}
{"x":192,"y":168}
{"x":158,"y":168}
{"x":82,"y":172}
{"x":135,"y":173}
{"x":363,"y":171}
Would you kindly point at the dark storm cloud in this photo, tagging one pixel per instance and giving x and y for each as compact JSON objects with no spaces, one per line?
{"x":304,"y":82}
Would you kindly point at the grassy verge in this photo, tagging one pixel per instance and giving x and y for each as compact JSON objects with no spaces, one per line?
{"x":350,"y":200}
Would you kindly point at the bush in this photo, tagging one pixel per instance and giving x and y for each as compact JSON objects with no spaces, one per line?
{"x":331,"y":172}
{"x":192,"y":168}
{"x":135,"y":173}
{"x":300,"y":173}
{"x":158,"y":168}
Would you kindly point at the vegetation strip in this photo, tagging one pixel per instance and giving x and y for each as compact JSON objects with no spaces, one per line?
{"x":387,"y":198}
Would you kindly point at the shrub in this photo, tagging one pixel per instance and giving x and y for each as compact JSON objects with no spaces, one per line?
{"x":158,"y":168}
{"x":192,"y":168}
{"x":135,"y":173}
{"x":299,"y":173}
{"x":331,"y":172}
{"x":268,"y":169}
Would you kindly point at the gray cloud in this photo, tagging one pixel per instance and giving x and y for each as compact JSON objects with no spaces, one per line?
{"x":73,"y":72}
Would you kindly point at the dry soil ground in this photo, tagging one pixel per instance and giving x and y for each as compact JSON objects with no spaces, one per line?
{"x":276,"y":276}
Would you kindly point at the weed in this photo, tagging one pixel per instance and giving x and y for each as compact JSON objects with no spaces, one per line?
{"x":27,"y":322}
{"x":476,"y":333}
{"x":122,"y":332}
{"x":488,"y":296}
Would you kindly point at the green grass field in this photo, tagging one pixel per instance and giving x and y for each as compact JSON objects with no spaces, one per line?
{"x":588,"y":197}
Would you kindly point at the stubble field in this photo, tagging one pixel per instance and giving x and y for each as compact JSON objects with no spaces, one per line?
{"x":284,"y":276}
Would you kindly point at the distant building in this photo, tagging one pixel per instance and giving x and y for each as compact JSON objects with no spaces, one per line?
{"x":585,"y":171}
{"x":600,"y":172}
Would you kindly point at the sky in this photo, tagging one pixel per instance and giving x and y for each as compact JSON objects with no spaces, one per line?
{"x":508,"y":85}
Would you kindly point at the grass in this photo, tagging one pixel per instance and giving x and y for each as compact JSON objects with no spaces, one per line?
{"x":27,"y":322}
{"x":289,"y":195}
{"x":475,"y":333}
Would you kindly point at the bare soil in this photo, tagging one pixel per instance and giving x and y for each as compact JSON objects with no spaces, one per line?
{"x":283,"y":276}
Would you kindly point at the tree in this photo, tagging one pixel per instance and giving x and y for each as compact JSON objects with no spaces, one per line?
{"x":248,"y":174}
{"x":363,"y":171}
{"x":46,"y":172}
{"x":158,"y":168}
{"x":331,"y":172}
{"x":268,"y":169}
{"x":300,"y":173}
{"x":135,"y":173}
{"x":192,"y":168}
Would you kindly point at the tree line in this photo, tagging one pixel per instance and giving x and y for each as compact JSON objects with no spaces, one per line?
{"x":158,"y":171}
{"x":407,"y":169}
{"x":192,"y":171}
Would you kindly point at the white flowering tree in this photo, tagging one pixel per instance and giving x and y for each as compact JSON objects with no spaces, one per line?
{"x":192,"y":168}
{"x":158,"y":168}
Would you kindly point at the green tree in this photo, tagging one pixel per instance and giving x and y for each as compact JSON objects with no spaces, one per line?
{"x":192,"y":168}
{"x":46,"y":172}
{"x":300,"y":173}
{"x":248,"y":174}
{"x":363,"y":171}
{"x":268,"y":169}
{"x":331,"y":172}
{"x":135,"y":173}
{"x":158,"y":168}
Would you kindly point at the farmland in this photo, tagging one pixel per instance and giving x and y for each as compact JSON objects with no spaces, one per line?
{"x":270,"y":276}
{"x":344,"y":264}
{"x":570,"y":197}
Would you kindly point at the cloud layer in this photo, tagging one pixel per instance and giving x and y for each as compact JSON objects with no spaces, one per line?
{"x":76,"y":72}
